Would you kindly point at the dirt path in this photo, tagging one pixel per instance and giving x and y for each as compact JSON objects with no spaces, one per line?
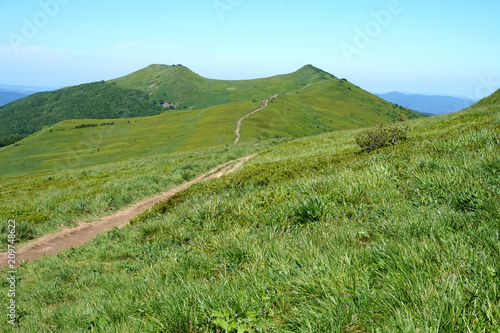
{"x":262,"y":107}
{"x":55,"y":243}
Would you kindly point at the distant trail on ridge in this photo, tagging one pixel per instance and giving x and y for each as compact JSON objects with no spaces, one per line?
{"x":54,"y":243}
{"x":238,"y":127}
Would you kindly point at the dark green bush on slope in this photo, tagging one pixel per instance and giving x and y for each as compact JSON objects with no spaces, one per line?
{"x":11,"y":139}
{"x":381,"y":136}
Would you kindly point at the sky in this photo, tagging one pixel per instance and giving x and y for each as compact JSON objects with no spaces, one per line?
{"x":429,"y":47}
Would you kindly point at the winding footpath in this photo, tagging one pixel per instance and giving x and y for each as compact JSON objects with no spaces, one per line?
{"x":238,"y":126}
{"x":55,"y":243}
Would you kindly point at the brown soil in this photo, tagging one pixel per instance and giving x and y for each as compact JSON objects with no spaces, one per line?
{"x":55,"y":243}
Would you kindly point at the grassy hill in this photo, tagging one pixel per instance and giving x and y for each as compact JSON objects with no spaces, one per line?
{"x":158,"y":88}
{"x":180,"y":86}
{"x":177,"y":85}
{"x":313,"y":235}
{"x":63,"y":146}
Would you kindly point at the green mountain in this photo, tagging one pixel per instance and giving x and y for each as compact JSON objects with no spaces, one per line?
{"x":313,"y":234}
{"x":321,"y":104}
{"x":180,"y":87}
{"x":309,"y":92}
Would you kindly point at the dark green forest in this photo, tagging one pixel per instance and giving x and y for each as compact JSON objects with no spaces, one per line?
{"x":98,"y":100}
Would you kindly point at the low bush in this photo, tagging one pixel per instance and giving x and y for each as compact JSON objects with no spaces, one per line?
{"x":85,"y":126}
{"x":381,"y":136}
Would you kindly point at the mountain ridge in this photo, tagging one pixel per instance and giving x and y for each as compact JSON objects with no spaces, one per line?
{"x":158,"y":81}
{"x":9,"y":96}
{"x":162,"y":88}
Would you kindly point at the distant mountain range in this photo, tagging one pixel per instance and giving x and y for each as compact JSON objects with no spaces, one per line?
{"x":7,"y":96}
{"x":428,"y":104}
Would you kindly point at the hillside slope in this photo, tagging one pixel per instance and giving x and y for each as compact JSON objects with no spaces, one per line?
{"x":317,"y":109}
{"x":311,"y":235}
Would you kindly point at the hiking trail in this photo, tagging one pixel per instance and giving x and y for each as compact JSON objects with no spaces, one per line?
{"x":54,"y":243}
{"x":262,"y":107}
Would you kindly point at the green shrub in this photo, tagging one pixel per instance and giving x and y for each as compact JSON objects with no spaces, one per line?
{"x":228,"y":321}
{"x":381,"y":136}
{"x":11,"y":139}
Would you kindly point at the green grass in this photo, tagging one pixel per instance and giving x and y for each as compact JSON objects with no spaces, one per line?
{"x":319,"y":108}
{"x":313,"y":235}
{"x":63,"y":147}
{"x":42,"y":203}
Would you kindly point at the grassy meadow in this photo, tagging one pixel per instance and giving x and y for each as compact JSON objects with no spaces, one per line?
{"x":42,"y":203}
{"x":64,"y":147}
{"x":312,"y":235}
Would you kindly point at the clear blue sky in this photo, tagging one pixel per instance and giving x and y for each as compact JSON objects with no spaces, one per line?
{"x":424,"y":46}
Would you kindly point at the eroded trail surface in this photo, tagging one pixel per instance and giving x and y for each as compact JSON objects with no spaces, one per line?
{"x":55,"y":243}
{"x":238,"y":126}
